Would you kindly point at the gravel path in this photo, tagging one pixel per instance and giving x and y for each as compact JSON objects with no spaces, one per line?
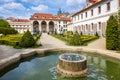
{"x":51,"y":42}
{"x":98,"y":44}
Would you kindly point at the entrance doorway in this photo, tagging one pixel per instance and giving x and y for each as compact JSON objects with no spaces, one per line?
{"x":43,"y":26}
{"x":51,"y":26}
{"x":35,"y":27}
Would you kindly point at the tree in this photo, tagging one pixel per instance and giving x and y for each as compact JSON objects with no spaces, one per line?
{"x":112,"y":33}
{"x":4,"y":23}
{"x":27,"y":40}
{"x":118,"y":31}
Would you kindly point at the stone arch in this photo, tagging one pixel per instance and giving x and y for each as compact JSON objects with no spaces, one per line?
{"x":35,"y":27}
{"x":51,"y":26}
{"x":43,"y":26}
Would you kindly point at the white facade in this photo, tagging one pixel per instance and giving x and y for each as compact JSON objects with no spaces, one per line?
{"x":93,"y":18}
{"x":21,"y":27}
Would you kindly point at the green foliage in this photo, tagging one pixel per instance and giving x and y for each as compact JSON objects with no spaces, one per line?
{"x":27,"y":40}
{"x":84,"y":39}
{"x":12,"y":40}
{"x":118,"y":31}
{"x":4,"y":23}
{"x":69,"y":33}
{"x":76,"y":39}
{"x":111,"y":33}
{"x":6,"y":31}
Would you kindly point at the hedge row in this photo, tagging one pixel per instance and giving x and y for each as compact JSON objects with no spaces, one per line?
{"x":6,"y":31}
{"x":11,"y":43}
{"x":75,"y":40}
{"x":88,"y":39}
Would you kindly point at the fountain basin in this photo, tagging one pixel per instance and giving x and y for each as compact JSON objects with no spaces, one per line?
{"x":72,"y":65}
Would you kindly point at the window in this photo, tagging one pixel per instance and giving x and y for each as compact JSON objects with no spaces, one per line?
{"x":81,"y":16}
{"x":92,"y":12}
{"x":99,"y":9}
{"x":86,"y":27}
{"x":108,"y":6}
{"x":86,"y":14}
{"x":92,"y":26}
{"x":99,"y":25}
{"x":78,"y":17}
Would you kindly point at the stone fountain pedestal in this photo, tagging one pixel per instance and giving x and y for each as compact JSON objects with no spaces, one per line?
{"x":72,"y":65}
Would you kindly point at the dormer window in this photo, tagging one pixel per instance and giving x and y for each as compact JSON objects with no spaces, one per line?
{"x":43,"y":17}
{"x":36,"y":17}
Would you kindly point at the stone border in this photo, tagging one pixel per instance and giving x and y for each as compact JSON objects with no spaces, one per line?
{"x":13,"y":59}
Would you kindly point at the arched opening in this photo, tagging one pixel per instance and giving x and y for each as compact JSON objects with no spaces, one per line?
{"x":43,"y":26}
{"x":51,"y":26}
{"x":35,"y":27}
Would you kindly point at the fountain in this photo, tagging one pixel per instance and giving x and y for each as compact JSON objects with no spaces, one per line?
{"x":72,"y":65}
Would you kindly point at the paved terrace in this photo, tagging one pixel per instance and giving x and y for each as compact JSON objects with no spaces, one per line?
{"x":51,"y":42}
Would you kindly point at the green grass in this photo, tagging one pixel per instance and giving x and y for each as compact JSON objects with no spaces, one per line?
{"x":85,"y":38}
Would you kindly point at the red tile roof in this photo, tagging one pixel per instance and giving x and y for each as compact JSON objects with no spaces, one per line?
{"x":42,"y":16}
{"x":87,"y":7}
{"x":94,"y":1}
{"x":20,"y":20}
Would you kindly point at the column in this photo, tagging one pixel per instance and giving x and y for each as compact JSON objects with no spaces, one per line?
{"x":47,"y":26}
{"x":40,"y":29}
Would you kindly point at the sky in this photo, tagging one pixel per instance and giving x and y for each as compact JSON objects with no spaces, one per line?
{"x":26,"y":8}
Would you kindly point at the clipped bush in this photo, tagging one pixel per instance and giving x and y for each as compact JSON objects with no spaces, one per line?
{"x":27,"y":40}
{"x":75,"y":40}
{"x":69,"y":33}
{"x":111,"y":33}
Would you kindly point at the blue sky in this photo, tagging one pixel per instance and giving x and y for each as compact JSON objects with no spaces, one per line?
{"x":26,"y":8}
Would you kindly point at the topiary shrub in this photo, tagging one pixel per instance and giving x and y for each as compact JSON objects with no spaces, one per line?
{"x":75,"y":40}
{"x":27,"y":40}
{"x":111,"y":33}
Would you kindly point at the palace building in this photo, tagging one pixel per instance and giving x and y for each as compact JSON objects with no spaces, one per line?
{"x":93,"y":17}
{"x":40,"y":22}
{"x":21,"y":25}
{"x":48,"y":23}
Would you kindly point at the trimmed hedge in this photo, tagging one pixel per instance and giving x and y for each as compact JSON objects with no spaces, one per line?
{"x":27,"y":40}
{"x":84,"y":39}
{"x":111,"y":33}
{"x":75,"y":40}
{"x":11,"y":43}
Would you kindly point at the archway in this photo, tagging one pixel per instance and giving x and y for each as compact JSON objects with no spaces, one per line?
{"x":51,"y":26}
{"x":43,"y":26}
{"x":35,"y":27}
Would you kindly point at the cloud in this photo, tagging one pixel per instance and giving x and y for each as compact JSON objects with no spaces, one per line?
{"x":40,"y":8}
{"x":13,"y":5}
{"x":75,"y":3}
